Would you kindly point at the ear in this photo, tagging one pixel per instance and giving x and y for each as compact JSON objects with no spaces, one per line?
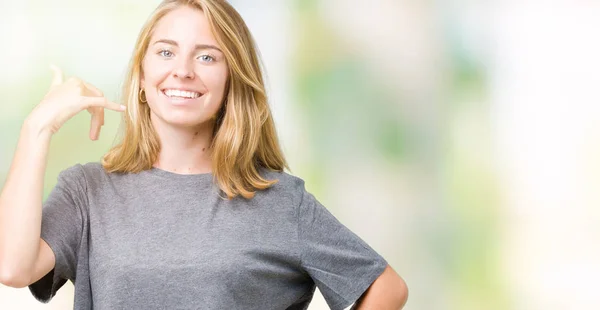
{"x":142,"y":81}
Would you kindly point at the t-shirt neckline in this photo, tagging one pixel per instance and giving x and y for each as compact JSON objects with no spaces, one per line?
{"x":169,"y":174}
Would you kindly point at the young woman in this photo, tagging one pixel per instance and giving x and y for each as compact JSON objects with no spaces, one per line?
{"x":193,"y":209}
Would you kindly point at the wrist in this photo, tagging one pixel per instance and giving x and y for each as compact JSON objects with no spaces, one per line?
{"x":33,"y":128}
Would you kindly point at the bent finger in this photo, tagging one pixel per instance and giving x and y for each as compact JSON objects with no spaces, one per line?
{"x":95,"y":126}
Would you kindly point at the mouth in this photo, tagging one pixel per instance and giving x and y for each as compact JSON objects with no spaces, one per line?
{"x":176,"y":96}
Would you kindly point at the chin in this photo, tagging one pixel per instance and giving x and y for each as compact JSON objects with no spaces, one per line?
{"x":186,"y":121}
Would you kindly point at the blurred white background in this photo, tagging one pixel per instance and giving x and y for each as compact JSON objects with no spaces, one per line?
{"x":460,"y":139}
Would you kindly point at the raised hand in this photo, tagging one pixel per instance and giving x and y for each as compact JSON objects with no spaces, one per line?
{"x":67,"y":98}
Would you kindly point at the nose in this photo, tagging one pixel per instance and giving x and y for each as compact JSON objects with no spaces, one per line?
{"x":184,"y":69}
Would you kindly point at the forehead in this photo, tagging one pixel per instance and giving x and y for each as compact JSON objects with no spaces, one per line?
{"x":184,"y":25}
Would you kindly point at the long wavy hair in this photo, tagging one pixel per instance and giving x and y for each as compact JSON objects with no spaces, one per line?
{"x":244,"y":138}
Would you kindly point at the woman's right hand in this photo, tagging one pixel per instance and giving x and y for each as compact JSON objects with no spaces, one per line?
{"x":67,"y":98}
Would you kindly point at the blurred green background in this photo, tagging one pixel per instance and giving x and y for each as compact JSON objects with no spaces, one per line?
{"x":460,"y":139}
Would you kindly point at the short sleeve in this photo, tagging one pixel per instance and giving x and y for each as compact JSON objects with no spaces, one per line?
{"x":62,"y":226}
{"x":340,"y":263}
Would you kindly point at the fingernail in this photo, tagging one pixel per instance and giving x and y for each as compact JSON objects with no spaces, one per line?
{"x":123,"y":107}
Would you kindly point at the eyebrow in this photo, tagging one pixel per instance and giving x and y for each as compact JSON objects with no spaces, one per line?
{"x":197,"y":47}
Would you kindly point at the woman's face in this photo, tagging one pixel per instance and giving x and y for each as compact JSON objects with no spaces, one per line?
{"x":184,"y":70}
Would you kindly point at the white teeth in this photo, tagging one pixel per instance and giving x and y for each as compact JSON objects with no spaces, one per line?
{"x":181,"y":93}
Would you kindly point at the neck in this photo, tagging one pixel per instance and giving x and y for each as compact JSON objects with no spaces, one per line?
{"x":185,"y":150}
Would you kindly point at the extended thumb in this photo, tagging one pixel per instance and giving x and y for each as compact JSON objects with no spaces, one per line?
{"x":57,"y":77}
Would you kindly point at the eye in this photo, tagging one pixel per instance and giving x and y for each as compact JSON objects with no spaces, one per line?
{"x":206,"y":58}
{"x":165,"y":53}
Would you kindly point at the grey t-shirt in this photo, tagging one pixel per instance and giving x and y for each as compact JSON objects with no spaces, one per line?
{"x":159,"y":240}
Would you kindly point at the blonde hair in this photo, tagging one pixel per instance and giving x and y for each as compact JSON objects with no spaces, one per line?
{"x":244,"y":138}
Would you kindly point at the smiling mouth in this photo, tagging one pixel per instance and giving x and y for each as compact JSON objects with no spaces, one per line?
{"x":181,"y":96}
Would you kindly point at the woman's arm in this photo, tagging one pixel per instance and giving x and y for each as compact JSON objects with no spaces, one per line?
{"x":21,"y":195}
{"x":21,"y":208}
{"x":388,"y":291}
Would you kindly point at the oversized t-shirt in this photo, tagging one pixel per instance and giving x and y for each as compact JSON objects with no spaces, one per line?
{"x":160,"y":240}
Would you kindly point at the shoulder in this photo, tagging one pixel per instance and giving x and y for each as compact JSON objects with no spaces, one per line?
{"x":285,"y":180}
{"x":288,"y":186}
{"x":93,"y":169}
{"x":79,"y":170}
{"x":83,"y":174}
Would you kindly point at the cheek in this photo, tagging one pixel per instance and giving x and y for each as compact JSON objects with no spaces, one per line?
{"x":153,"y":72}
{"x":214,"y":80}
